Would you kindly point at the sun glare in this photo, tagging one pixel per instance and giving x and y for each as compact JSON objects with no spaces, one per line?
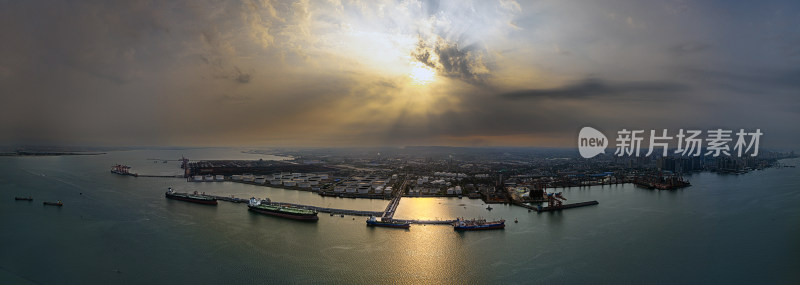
{"x":421,"y":74}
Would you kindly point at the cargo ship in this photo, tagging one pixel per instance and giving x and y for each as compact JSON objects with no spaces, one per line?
{"x":123,"y":170}
{"x":476,"y":225}
{"x":282,"y":211}
{"x":194,"y":198}
{"x":59,"y":204}
{"x":389,"y":223}
{"x":29,"y":198}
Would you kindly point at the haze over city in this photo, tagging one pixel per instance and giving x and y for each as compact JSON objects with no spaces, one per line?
{"x":368,"y":73}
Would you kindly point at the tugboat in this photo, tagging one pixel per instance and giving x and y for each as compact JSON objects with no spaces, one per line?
{"x":476,"y":225}
{"x":59,"y":204}
{"x":389,"y":223}
{"x":29,"y":198}
{"x":282,"y":211}
{"x":194,"y":198}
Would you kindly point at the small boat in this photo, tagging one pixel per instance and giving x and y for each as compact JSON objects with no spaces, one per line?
{"x":53,"y":203}
{"x":389,"y":223}
{"x":29,"y":198}
{"x":515,"y":220}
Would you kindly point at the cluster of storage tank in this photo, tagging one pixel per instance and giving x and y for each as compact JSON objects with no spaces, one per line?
{"x":454,"y":190}
{"x":449,"y":174}
{"x":440,"y":181}
{"x":208,"y":178}
{"x":434,"y":190}
{"x":302,"y":180}
{"x":364,"y":185}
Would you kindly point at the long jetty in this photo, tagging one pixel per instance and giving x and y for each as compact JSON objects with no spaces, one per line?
{"x":427,"y":222}
{"x":335,"y":211}
{"x":331,"y":210}
{"x":556,"y":208}
{"x":315,"y":208}
{"x":161,"y":176}
{"x":392,"y":207}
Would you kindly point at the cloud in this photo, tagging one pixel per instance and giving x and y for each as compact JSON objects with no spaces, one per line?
{"x":688,"y":48}
{"x":240,"y":76}
{"x":452,"y":36}
{"x":449,"y":59}
{"x":593,"y":87}
{"x":753,"y":81}
{"x":329,"y":72}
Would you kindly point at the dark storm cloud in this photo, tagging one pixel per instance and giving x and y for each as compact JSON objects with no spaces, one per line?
{"x":485,"y":118}
{"x":449,"y":59}
{"x":751,"y":80}
{"x":593,"y":87}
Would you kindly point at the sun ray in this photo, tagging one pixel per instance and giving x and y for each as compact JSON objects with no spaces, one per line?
{"x":421,"y":75}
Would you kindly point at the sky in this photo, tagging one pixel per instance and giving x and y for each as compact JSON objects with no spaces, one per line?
{"x":393,"y":73}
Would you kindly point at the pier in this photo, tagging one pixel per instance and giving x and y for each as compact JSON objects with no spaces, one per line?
{"x":565,"y":206}
{"x":315,"y":208}
{"x":334,"y":211}
{"x":392,"y":207}
{"x":161,"y":176}
{"x":556,"y":208}
{"x":331,"y":210}
{"x":428,"y":222}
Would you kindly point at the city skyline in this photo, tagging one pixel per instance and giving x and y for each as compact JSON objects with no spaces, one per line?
{"x":387,"y":73}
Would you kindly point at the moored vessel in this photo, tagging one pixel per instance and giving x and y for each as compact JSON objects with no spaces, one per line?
{"x":476,"y":225}
{"x":194,"y":197}
{"x":289,"y":212}
{"x":122,"y":170}
{"x":389,"y":223}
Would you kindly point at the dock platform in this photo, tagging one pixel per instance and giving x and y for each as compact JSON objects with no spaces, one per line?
{"x":336,"y":211}
{"x":428,"y":222}
{"x":332,"y":210}
{"x":565,"y":206}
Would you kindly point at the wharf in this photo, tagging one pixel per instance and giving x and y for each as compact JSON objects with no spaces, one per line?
{"x":331,"y":210}
{"x":315,"y":208}
{"x":334,"y":211}
{"x":392,"y":206}
{"x":161,"y":176}
{"x":354,"y":195}
{"x":230,"y":199}
{"x":556,"y":208}
{"x":427,"y":222}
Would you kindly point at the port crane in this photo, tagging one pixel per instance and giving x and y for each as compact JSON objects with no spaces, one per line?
{"x":555,"y":199}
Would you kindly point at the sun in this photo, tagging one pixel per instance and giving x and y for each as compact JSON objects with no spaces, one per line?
{"x":421,"y":74}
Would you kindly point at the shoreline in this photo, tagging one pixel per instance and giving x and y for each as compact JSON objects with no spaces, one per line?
{"x":26,"y":153}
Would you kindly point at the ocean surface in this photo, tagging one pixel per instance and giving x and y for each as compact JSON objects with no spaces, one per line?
{"x":121,"y":230}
